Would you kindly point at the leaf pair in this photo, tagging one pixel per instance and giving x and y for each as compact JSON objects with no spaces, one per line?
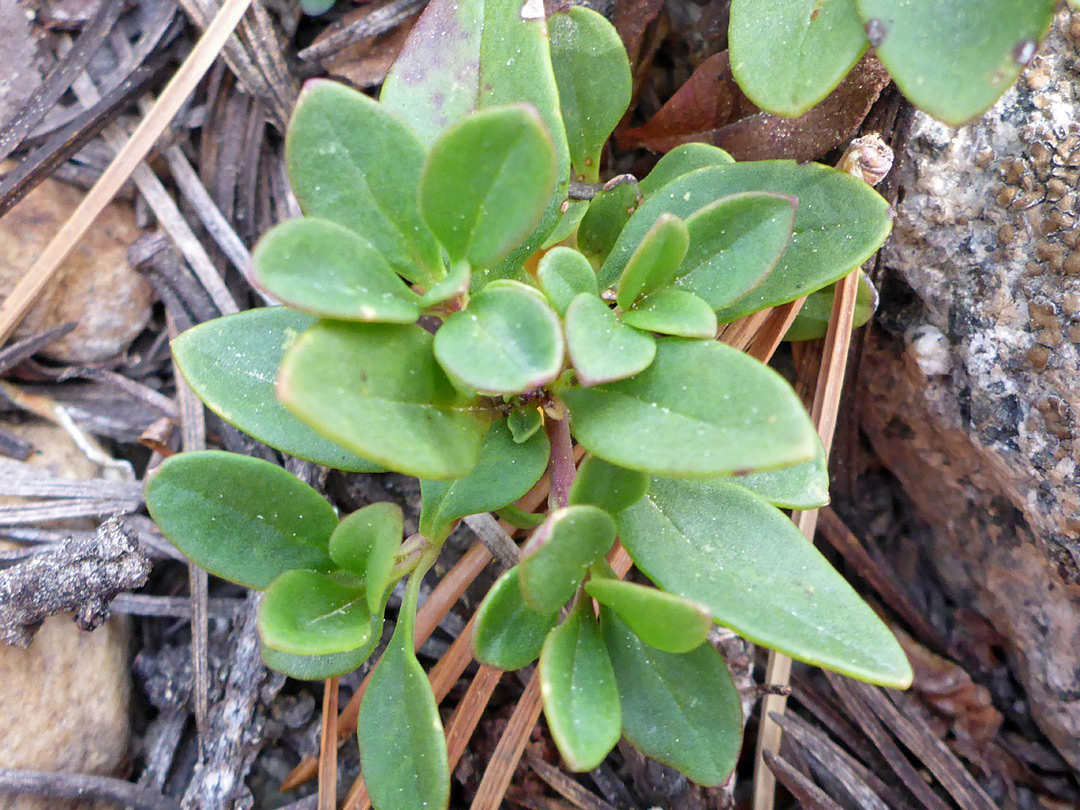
{"x":952,"y":59}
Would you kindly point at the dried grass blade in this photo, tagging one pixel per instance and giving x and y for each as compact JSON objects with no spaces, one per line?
{"x":809,"y":795}
{"x":500,"y":769}
{"x":328,"y":748}
{"x":568,"y":787}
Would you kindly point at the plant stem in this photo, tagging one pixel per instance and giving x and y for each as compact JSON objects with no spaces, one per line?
{"x":561,"y":465}
{"x":411,"y":598}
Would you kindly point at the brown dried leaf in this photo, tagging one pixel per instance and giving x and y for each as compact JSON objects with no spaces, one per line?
{"x":365,"y":64}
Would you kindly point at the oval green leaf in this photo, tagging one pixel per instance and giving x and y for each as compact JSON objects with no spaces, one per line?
{"x":812,"y":322}
{"x":839,"y":224}
{"x":315,"y":667}
{"x":231,"y":364}
{"x":376,"y":389}
{"x":682,"y":710}
{"x":524,"y":423}
{"x":601,"y":348}
{"x":701,"y":409}
{"x":243,"y":519}
{"x":681,"y":160}
{"x":801,"y":486}
{"x":507,"y":469}
{"x":954,"y":59}
{"x":507,"y":341}
{"x":564,"y":274}
{"x":365,"y":543}
{"x":509,"y":634}
{"x":723,"y":546}
{"x":354,"y":162}
{"x":673,"y":312}
{"x":577,"y":684}
{"x":608,"y":213}
{"x":309,"y":613}
{"x":606,"y":486}
{"x":323,"y":268}
{"x":570,"y":540}
{"x":666,"y":621}
{"x":486,"y":183}
{"x":656,"y":261}
{"x":787,"y":55}
{"x":593,"y":76}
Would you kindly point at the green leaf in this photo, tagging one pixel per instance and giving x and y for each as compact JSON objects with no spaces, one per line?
{"x":507,"y":341}
{"x":308,"y":613}
{"x":570,"y":214}
{"x":666,"y":621}
{"x":681,"y":160}
{"x":787,"y":55}
{"x":601,"y":348}
{"x":701,"y":409}
{"x":954,"y":59}
{"x":315,"y":667}
{"x":402,"y":746}
{"x":455,"y":284}
{"x":577,"y":683}
{"x":509,"y":633}
{"x":564,"y":273}
{"x":735,"y":243}
{"x":656,"y":261}
{"x":569,"y":541}
{"x":673,"y":312}
{"x":839,"y":224}
{"x":592,"y":72}
{"x":506,"y":471}
{"x":240,"y":518}
{"x":231,"y":364}
{"x":365,"y":543}
{"x":519,"y":518}
{"x":725,"y":547}
{"x":812,"y":322}
{"x":611,"y":488}
{"x":487,"y":181}
{"x":323,"y":268}
{"x":682,"y":710}
{"x":376,"y":389}
{"x":524,"y":423}
{"x":353,"y":162}
{"x":802,"y":486}
{"x":608,"y":213}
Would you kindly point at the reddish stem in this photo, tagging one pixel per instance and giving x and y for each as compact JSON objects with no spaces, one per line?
{"x":561,"y":465}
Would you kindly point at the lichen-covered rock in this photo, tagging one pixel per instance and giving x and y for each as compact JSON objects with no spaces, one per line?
{"x":972,"y":401}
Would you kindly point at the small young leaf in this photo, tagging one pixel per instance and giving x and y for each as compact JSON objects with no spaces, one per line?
{"x":668,"y":622}
{"x":812,"y":322}
{"x":523,"y":424}
{"x":608,"y":213}
{"x":611,"y":488}
{"x":364,"y":544}
{"x":308,"y":613}
{"x":577,"y":683}
{"x":315,"y":667}
{"x":723,"y":546}
{"x":519,"y":518}
{"x":601,"y":348}
{"x":240,"y":518}
{"x":486,"y":183}
{"x":840,"y":222}
{"x":593,"y":75}
{"x":323,"y":268}
{"x":951,"y":58}
{"x":507,"y":341}
{"x":509,"y":633}
{"x":402,"y":746}
{"x":354,"y":162}
{"x":231,"y":364}
{"x":506,"y":470}
{"x":455,"y":283}
{"x":735,"y":243}
{"x":801,"y":486}
{"x":673,"y":312}
{"x":571,"y":213}
{"x":376,"y":389}
{"x":571,"y":540}
{"x":656,"y":261}
{"x":787,"y":56}
{"x":682,"y":160}
{"x":564,"y":273}
{"x":701,"y":409}
{"x":682,"y":710}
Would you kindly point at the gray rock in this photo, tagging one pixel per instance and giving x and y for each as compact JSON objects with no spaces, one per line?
{"x":972,"y":400}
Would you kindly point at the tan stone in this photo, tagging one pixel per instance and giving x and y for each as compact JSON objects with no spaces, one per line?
{"x":94,"y":287}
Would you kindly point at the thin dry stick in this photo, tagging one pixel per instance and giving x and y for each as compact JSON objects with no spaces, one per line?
{"x":773,"y":330}
{"x":189,"y":74}
{"x":830,"y":382}
{"x":500,"y":769}
{"x":738,"y":334}
{"x":328,"y":748}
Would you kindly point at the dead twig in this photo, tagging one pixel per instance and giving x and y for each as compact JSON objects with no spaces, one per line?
{"x":77,"y":786}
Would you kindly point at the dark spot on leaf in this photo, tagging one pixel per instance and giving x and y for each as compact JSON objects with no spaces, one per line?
{"x":876,"y":32}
